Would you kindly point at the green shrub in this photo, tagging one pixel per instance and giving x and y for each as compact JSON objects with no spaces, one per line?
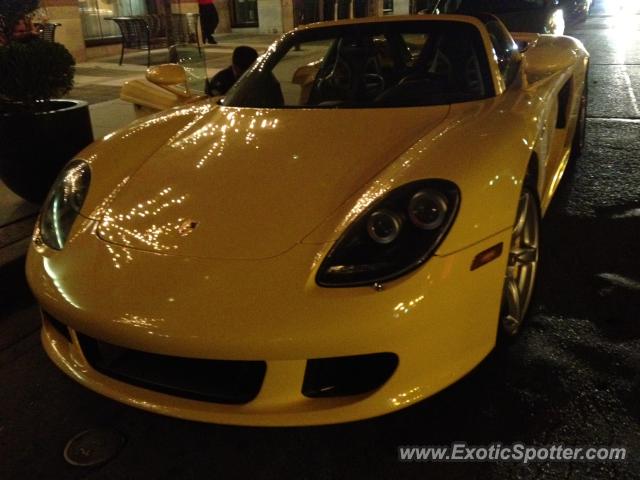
{"x":34,"y":70}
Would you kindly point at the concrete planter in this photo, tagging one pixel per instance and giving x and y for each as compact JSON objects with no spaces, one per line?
{"x":34,"y":146}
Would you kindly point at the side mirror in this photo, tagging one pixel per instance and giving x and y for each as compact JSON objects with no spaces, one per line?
{"x":548,"y":56}
{"x":306,"y":73}
{"x":167,"y":74}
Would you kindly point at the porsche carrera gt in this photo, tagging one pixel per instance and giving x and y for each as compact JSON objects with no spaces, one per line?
{"x":349,"y":231}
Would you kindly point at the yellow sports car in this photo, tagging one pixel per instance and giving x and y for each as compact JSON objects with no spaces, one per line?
{"x":348,"y":232}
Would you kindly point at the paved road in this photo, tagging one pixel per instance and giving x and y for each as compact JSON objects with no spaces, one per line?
{"x":573,"y":378}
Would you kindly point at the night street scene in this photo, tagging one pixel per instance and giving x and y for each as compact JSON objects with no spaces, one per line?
{"x":306,"y":279}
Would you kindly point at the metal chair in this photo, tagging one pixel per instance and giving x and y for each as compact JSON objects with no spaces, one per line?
{"x":137,"y":35}
{"x":47,"y":31}
{"x":151,"y":31}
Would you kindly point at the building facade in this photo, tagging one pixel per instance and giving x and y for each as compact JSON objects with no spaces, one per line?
{"x":87,"y":31}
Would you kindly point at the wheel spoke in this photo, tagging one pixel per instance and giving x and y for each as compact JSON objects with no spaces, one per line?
{"x":511,"y":317}
{"x":510,"y":323}
{"x":523,"y":255}
{"x":521,"y":218}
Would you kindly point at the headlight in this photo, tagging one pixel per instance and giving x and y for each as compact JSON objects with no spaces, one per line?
{"x":384,"y":226}
{"x":64,"y":203}
{"x":428,"y":209}
{"x":394,"y":236}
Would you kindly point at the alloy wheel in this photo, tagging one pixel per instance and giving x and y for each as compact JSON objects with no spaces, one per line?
{"x":522,"y":264}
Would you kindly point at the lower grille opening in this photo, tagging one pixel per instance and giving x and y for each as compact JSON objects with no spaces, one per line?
{"x":59,"y":327}
{"x":219,"y":381}
{"x":342,"y":376}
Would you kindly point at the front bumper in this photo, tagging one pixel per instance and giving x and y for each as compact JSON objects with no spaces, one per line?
{"x":440,"y":322}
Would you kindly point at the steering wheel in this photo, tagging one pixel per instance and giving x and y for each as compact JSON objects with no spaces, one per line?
{"x":336,"y":83}
{"x":374,"y":85}
{"x":339,"y":77}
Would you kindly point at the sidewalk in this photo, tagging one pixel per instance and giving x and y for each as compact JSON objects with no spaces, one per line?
{"x":98,"y":82}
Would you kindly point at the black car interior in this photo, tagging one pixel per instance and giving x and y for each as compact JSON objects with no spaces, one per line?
{"x":377,"y":68}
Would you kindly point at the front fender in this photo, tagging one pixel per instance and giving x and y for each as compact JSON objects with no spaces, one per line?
{"x":483,"y":147}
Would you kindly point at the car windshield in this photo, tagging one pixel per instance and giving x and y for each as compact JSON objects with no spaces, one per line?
{"x":369,"y":65}
{"x":493,"y":6}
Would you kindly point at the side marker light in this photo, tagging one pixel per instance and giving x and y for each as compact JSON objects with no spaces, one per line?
{"x":486,"y":256}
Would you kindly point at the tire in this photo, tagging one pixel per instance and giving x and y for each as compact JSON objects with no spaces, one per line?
{"x":577,"y":144}
{"x":522,"y":266}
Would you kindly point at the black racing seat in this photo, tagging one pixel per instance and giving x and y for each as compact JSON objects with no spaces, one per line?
{"x":447,"y":66}
{"x":353,"y":76}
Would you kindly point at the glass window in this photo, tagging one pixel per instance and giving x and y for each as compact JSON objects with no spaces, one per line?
{"x":370,"y":65}
{"x":505,"y":48}
{"x":244,"y":13}
{"x":297,"y":70}
{"x":424,"y":6}
{"x":339,"y":9}
{"x":95,"y":14}
{"x":310,"y":11}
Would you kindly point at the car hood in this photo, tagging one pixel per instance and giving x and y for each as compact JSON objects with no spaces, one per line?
{"x":248,"y":184}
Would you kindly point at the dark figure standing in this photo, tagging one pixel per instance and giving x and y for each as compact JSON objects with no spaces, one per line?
{"x":208,"y":19}
{"x":241,"y":60}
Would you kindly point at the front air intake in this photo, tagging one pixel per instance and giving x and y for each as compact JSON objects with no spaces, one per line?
{"x":219,"y":381}
{"x":353,"y":375}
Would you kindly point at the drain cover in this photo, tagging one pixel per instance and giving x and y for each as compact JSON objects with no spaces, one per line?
{"x":93,"y":447}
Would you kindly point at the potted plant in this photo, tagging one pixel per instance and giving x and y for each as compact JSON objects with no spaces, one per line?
{"x":38,"y":132}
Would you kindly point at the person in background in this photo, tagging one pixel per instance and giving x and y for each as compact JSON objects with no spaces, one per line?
{"x":208,"y":20}
{"x":241,"y":60}
{"x":23,"y":31}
